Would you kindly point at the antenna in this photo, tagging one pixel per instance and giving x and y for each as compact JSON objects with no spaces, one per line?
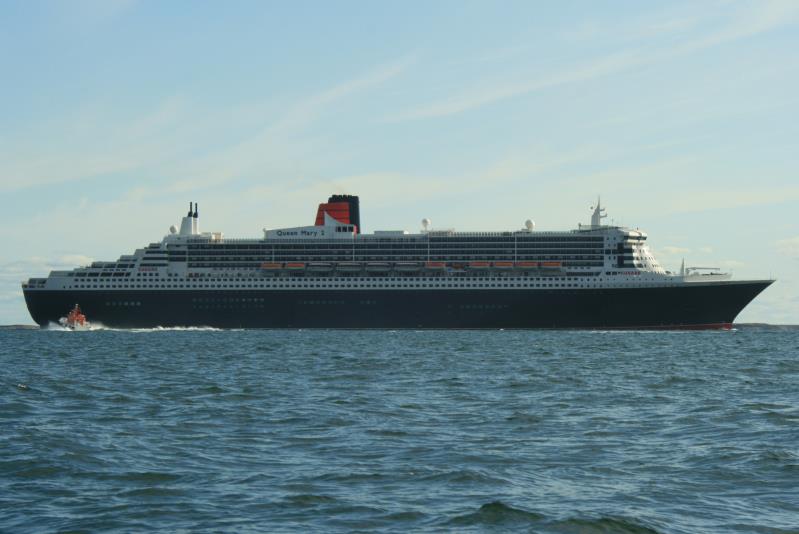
{"x":598,"y":215}
{"x":190,"y":208}
{"x":195,"y":209}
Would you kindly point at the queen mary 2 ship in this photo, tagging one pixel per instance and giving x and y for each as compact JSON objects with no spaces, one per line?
{"x":330,"y":275}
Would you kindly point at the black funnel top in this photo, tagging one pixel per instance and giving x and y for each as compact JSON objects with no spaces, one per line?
{"x":355,"y":209}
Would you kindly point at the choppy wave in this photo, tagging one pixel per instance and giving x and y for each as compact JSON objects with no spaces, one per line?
{"x":602,"y":525}
{"x":496,"y":513}
{"x":499,"y":514}
{"x":376,"y":431}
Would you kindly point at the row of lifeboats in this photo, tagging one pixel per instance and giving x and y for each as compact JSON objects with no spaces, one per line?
{"x":407,"y":266}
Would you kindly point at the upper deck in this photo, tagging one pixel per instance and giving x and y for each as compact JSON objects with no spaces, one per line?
{"x":336,"y":247}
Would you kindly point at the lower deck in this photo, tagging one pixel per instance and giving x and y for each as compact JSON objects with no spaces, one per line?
{"x":713,"y":305}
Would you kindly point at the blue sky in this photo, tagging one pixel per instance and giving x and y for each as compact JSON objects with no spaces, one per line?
{"x":114,"y":114}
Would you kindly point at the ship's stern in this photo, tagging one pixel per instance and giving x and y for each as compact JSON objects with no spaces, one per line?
{"x":37,"y":302}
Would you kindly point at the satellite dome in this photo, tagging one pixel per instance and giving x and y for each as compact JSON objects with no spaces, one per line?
{"x":426,"y":223}
{"x":529,"y":224}
{"x":173,"y":229}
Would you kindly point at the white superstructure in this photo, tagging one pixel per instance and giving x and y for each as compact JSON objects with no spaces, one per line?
{"x":335,"y":255}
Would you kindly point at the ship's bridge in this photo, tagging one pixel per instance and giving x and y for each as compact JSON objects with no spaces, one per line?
{"x":625,"y":249}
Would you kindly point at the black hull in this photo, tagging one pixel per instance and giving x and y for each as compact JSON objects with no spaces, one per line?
{"x":694,"y":305}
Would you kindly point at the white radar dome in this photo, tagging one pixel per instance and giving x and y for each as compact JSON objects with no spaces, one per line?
{"x":173,"y":229}
{"x":529,"y":224}
{"x":426,"y":223}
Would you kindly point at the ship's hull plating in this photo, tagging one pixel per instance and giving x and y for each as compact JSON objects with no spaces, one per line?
{"x":693,"y":305}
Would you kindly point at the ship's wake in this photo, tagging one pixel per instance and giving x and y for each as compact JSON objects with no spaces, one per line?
{"x":55,"y":327}
{"x":170,"y":329}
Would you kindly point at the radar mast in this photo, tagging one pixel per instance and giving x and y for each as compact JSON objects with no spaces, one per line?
{"x":598,"y":215}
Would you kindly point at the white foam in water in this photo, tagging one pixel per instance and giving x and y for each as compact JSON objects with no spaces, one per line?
{"x":170,"y":329}
{"x":55,"y":327}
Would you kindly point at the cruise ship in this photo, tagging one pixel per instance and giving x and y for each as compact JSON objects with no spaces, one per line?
{"x":331,"y":275}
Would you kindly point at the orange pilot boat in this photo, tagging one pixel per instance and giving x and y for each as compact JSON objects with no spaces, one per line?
{"x":75,"y":320}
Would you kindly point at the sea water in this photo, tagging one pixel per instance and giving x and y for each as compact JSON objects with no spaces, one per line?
{"x":398,"y":431}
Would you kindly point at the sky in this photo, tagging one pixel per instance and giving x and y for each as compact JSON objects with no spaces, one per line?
{"x":114,"y":114}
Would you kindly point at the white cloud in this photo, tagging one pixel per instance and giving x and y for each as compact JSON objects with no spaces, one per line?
{"x":498,"y":54}
{"x":92,"y":140}
{"x":753,"y":19}
{"x":789,"y":247}
{"x":40,"y":266}
{"x":707,"y":199}
{"x":74,"y":259}
{"x":647,"y":26}
{"x":13,"y":273}
{"x":674,"y":251}
{"x":10,"y":295}
{"x":731,"y":264}
{"x":776,"y":305}
{"x":95,"y":140}
{"x":276,"y":147}
{"x":86,"y":13}
{"x":309,"y":109}
{"x":478,"y":97}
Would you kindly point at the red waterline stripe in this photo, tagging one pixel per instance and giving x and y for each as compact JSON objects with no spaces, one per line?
{"x":705,"y":326}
